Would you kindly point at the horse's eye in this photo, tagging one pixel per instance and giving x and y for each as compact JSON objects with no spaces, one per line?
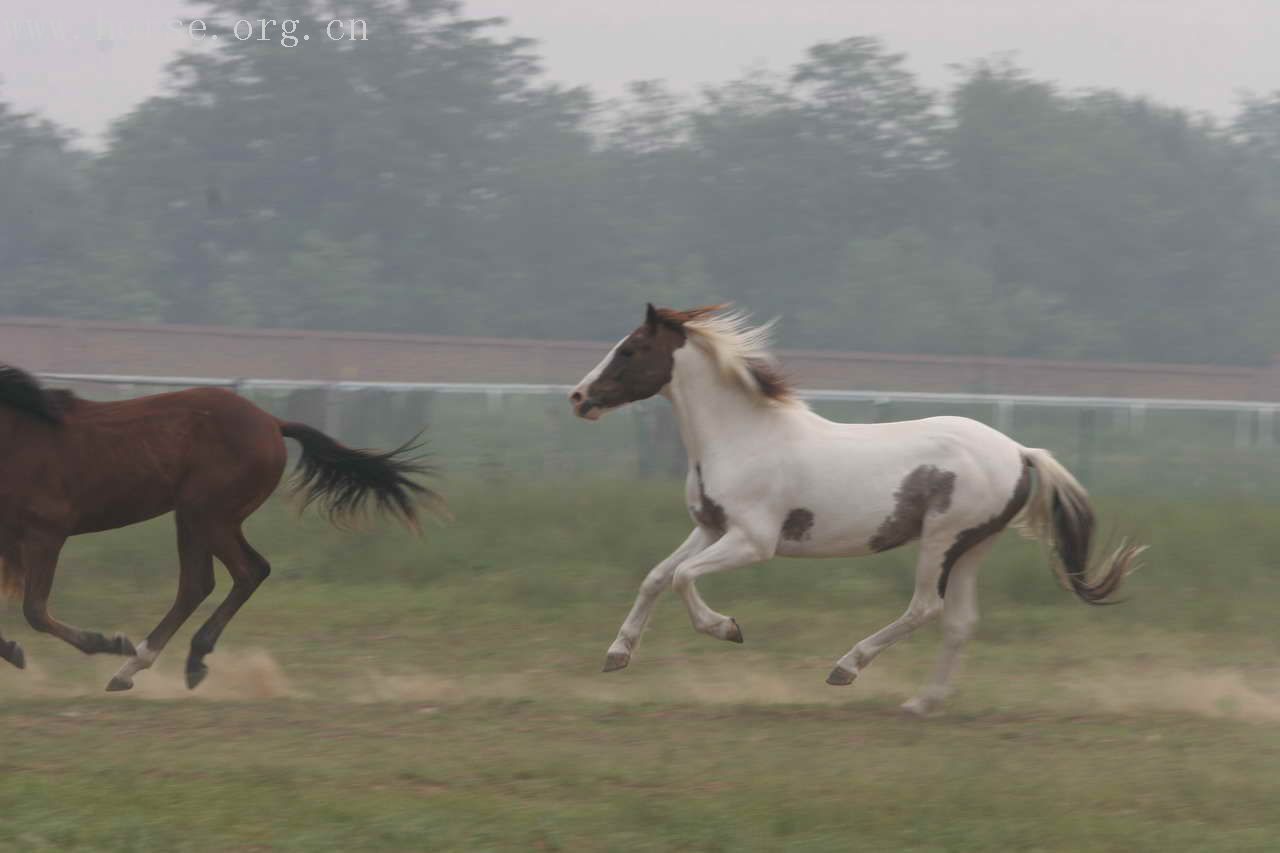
{"x":626,"y":353}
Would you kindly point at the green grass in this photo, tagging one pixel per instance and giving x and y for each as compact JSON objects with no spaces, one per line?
{"x":551,"y":775}
{"x":388,"y":693}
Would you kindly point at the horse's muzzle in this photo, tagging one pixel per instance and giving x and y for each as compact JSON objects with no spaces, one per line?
{"x":589,"y":410}
{"x":585,"y":407}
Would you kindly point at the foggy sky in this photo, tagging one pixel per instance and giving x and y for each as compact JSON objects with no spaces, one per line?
{"x":84,"y":62}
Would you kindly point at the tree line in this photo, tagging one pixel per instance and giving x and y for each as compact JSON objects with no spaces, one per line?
{"x":432,"y":180}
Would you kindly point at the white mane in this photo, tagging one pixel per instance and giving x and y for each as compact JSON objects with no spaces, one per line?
{"x":741,"y":351}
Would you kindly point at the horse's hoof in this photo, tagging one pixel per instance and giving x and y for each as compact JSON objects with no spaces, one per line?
{"x":616,"y":660}
{"x":123,"y":646}
{"x":917,"y":707}
{"x":195,"y":675}
{"x":16,"y":656}
{"x":118,"y":684}
{"x":735,"y":633}
{"x":841,"y":677}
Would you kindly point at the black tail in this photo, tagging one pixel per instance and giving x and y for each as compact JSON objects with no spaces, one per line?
{"x":342,"y":479}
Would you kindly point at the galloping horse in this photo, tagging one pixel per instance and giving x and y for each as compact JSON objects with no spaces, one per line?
{"x":768,"y":476}
{"x":71,"y":466}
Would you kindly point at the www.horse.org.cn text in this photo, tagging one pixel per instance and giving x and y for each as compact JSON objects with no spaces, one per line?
{"x":287,"y":32}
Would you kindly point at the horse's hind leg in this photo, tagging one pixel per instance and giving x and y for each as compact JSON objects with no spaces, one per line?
{"x":39,"y":555}
{"x":10,"y":584}
{"x":959,"y":619}
{"x":925,"y":606}
{"x":248,"y":570}
{"x":195,"y":583}
{"x":12,"y":652}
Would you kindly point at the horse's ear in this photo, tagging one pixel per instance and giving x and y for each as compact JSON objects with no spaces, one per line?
{"x":651,"y":318}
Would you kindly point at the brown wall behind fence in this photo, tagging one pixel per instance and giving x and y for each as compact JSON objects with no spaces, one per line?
{"x":71,"y":346}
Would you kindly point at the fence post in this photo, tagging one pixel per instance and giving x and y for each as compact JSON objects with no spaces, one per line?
{"x":1004,"y":416}
{"x":1244,"y":429}
{"x":332,"y":410}
{"x":415,"y":411}
{"x":1137,"y":418}
{"x":1267,"y":427}
{"x":305,"y":405}
{"x":370,"y":416}
{"x":1088,"y":426}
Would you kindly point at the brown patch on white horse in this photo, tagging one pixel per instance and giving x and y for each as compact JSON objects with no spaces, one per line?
{"x":970,"y":537}
{"x":797,"y":524}
{"x":927,"y":489}
{"x":707,"y":513}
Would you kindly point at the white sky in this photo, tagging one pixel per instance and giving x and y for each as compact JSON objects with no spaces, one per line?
{"x":84,"y":62}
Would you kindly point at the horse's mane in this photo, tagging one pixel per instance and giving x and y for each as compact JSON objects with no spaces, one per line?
{"x":21,"y":391}
{"x":739,"y":348}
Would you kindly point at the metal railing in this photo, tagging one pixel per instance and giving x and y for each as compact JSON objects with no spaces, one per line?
{"x":1255,"y":421}
{"x":1218,"y":449}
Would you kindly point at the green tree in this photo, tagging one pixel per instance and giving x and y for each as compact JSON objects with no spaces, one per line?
{"x":58,"y":255}
{"x":789,"y":170}
{"x":422,"y":145}
{"x":429,"y":179}
{"x":1131,"y":215}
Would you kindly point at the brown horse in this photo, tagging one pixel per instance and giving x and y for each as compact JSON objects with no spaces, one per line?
{"x":71,"y":466}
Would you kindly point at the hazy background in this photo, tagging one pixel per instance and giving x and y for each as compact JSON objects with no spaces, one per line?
{"x":992,"y":179}
{"x":1088,"y":183}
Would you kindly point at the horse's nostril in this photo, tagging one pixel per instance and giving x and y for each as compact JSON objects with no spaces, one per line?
{"x":575,"y":397}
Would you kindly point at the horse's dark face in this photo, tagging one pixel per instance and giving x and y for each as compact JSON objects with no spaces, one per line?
{"x":638,"y":367}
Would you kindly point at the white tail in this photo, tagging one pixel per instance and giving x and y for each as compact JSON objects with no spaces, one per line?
{"x":1058,"y":513}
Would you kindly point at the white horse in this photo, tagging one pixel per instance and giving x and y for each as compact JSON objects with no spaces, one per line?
{"x":769,"y":476}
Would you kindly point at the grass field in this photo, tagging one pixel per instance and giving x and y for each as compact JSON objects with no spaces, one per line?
{"x":387,"y":693}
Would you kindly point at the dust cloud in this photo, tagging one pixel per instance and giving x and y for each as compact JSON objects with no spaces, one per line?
{"x":256,"y":675}
{"x":234,"y":675}
{"x":1220,"y":693}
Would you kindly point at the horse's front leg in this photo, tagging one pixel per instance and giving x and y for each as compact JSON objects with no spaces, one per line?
{"x":654,"y":584}
{"x":736,"y":548}
{"x":39,"y":554}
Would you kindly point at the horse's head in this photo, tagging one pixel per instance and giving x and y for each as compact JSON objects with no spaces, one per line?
{"x":637,"y":368}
